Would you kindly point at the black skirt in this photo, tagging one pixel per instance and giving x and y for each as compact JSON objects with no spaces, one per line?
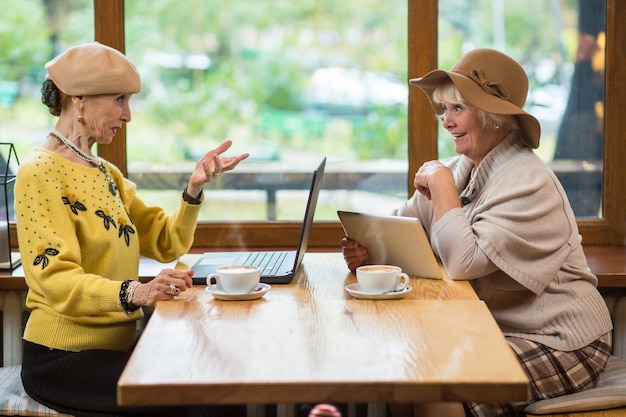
{"x":84,"y":384}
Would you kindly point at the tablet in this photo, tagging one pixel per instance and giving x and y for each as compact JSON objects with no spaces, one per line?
{"x":393,"y":240}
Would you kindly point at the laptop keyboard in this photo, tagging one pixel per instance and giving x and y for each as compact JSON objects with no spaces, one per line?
{"x":268,"y":262}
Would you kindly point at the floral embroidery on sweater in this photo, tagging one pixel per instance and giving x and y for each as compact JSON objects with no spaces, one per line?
{"x":42,"y":256}
{"x":74,"y":204}
{"x":106,"y":217}
{"x":126,"y":230}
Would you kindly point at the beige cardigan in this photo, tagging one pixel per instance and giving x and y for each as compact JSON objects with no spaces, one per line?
{"x":520,"y":218}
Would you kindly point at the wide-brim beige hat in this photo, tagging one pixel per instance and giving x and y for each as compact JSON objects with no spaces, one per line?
{"x":491,"y":81}
{"x":93,"y":69}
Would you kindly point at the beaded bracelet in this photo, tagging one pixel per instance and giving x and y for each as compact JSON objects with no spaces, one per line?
{"x":130,"y":292}
{"x":126,"y":291}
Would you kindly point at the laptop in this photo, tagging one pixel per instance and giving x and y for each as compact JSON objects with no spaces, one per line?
{"x":277,"y":267}
{"x":393,"y":240}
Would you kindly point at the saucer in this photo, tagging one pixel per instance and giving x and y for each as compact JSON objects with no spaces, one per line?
{"x":355,"y":291}
{"x":258,"y":292}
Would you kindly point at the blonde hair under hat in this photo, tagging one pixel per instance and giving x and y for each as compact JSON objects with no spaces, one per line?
{"x":92,"y":69}
{"x":491,"y":81}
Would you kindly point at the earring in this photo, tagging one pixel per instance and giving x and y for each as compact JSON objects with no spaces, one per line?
{"x":80,"y":119}
{"x":497,"y":126}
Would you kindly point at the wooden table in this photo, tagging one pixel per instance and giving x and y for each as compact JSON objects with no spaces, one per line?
{"x":607,"y":262}
{"x":309,"y":342}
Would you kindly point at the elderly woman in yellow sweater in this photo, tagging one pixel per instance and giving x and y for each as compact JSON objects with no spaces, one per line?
{"x":82,"y":230}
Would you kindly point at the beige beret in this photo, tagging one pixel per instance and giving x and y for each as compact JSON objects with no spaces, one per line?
{"x":92,"y":69}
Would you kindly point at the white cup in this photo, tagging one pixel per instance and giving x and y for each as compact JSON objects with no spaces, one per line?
{"x":380,"y":279}
{"x":238,"y":279}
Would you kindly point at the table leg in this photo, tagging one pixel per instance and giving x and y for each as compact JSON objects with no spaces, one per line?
{"x":255,"y":410}
{"x":285,"y":410}
{"x":376,"y":410}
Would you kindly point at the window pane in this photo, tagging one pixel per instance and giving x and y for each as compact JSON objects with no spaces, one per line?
{"x":288,"y":82}
{"x":561,"y":44}
{"x":31,"y":33}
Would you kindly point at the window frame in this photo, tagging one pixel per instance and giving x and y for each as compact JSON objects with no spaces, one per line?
{"x":422,"y":32}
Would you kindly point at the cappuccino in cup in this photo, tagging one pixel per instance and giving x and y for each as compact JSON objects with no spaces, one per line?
{"x":381,"y":278}
{"x":239,"y":279}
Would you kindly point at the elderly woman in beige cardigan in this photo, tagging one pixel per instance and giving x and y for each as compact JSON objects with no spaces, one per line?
{"x":497,"y":215}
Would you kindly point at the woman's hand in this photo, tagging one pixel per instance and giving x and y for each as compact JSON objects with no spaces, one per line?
{"x":429,"y":174}
{"x":353,"y":253}
{"x":165,"y":286}
{"x":436,"y":182}
{"x":212,"y":165}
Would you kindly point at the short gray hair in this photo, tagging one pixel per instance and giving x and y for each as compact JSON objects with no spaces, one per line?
{"x":447,"y":92}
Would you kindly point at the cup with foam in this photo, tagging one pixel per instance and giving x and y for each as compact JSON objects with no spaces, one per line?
{"x":381,"y":279}
{"x":238,"y":279}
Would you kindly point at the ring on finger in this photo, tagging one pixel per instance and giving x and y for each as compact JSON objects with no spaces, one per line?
{"x":173,"y":290}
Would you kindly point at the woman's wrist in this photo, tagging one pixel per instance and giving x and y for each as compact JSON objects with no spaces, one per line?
{"x":192,"y":198}
{"x":139,"y":296}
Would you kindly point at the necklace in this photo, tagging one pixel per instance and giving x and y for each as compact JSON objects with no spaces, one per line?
{"x":93,"y":161}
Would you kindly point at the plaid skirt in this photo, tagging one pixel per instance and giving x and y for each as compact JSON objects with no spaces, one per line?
{"x":551,"y":372}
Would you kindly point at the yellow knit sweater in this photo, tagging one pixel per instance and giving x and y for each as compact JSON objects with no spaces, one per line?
{"x":78,"y":242}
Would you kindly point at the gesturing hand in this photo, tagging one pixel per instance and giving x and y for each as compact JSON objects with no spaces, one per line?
{"x":212,"y":165}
